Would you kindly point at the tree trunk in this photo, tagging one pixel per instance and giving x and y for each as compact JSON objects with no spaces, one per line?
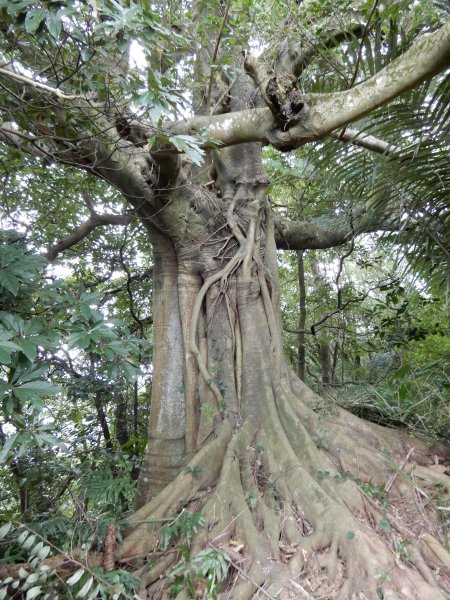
{"x":226,"y":406}
{"x":277,"y":472}
{"x":301,"y":315}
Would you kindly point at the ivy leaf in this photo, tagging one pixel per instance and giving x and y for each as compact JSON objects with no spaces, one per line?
{"x":33,"y":21}
{"x":53,"y":22}
{"x":7,"y":447}
{"x":9,"y":282}
{"x":29,"y":390}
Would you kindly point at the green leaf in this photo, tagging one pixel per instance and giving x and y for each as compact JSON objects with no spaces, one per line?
{"x":27,"y":391}
{"x":14,"y":7}
{"x":7,"y":447}
{"x":6,"y":349}
{"x":12,"y":322}
{"x":51,"y":440}
{"x":43,"y":553}
{"x":28,"y":348}
{"x":3,"y":387}
{"x":5,"y":530}
{"x":75,"y":577}
{"x":195,"y":155}
{"x":32,"y":578}
{"x":188,"y":145}
{"x":29,"y":542}
{"x":9,"y":281}
{"x":385,"y":525}
{"x":34,"y":19}
{"x":53,"y":22}
{"x":33,"y":592}
{"x":79,"y":340}
{"x":86,"y":587}
{"x":350,"y":535}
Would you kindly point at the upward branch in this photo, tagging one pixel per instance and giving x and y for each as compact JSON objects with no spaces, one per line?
{"x":323,"y":113}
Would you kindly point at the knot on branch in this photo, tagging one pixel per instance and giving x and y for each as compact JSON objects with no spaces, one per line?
{"x":286,"y":99}
{"x":131,"y":130}
{"x":279,"y":91}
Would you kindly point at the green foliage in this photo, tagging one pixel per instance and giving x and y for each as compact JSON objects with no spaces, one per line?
{"x":41,"y":580}
{"x":104,"y":30}
{"x":195,"y":471}
{"x":252,"y":499}
{"x":183,"y":527}
{"x":108,"y":486}
{"x":59,"y":360}
{"x":29,"y":338}
{"x":401,"y":547}
{"x":188,"y":145}
{"x":209,"y":566}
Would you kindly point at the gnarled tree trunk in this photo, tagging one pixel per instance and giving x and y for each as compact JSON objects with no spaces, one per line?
{"x":271,"y":466}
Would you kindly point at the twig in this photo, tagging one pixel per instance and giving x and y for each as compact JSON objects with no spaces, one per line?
{"x":393,"y":477}
{"x":214,"y":56}
{"x":36,"y":84}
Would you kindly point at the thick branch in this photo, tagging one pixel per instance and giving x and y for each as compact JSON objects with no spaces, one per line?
{"x":323,"y":113}
{"x":24,"y":143}
{"x":95,"y":220}
{"x":303,"y":235}
{"x":89,"y":140}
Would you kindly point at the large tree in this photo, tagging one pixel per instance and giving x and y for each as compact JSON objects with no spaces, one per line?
{"x":180,"y":133}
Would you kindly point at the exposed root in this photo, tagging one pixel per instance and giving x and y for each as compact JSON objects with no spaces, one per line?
{"x":207,"y":463}
{"x":293,"y":519}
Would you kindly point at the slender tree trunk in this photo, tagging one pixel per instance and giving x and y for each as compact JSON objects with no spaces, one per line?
{"x":302,"y":314}
{"x":121,"y":419}
{"x":103,"y":421}
{"x":323,"y":344}
{"x":166,"y":446}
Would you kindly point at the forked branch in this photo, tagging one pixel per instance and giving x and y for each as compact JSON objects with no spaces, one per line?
{"x":324,"y":113}
{"x":81,"y":232}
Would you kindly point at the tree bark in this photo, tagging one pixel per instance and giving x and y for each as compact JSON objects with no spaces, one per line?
{"x":302,"y":315}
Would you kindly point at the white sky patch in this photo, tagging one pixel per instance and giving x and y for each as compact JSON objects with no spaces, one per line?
{"x":137,"y":55}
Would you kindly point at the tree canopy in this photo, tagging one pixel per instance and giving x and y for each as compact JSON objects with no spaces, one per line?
{"x":224,"y":224}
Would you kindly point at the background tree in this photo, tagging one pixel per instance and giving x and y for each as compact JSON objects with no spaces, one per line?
{"x":276,"y":471}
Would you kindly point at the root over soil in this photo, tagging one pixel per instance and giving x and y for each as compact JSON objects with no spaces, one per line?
{"x":307,"y":501}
